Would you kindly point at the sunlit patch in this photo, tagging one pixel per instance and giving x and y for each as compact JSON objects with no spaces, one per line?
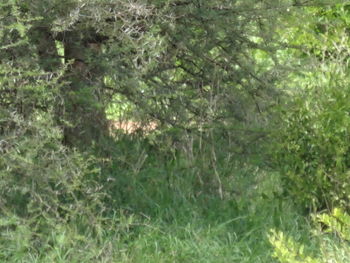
{"x":130,"y":127}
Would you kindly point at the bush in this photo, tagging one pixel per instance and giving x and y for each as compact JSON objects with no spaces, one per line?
{"x":330,"y":233}
{"x":313,"y":149}
{"x":43,"y":184}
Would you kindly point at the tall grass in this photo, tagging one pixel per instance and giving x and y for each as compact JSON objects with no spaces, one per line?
{"x":164,"y":206}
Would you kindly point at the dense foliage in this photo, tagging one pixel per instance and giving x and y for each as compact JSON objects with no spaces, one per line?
{"x":249,"y":107}
{"x":313,"y":144}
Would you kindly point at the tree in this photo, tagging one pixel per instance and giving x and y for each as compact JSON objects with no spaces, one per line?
{"x":173,"y":59}
{"x":208,"y":69}
{"x":40,"y":178}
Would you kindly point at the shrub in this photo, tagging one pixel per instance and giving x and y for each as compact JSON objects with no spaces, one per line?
{"x":328,"y":242}
{"x":313,"y":149}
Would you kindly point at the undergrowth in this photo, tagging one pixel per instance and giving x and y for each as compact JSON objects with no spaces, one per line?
{"x":144,"y":204}
{"x":153,"y":209}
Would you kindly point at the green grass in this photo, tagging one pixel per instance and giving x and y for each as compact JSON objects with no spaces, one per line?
{"x":162,"y":215}
{"x":214,"y":230}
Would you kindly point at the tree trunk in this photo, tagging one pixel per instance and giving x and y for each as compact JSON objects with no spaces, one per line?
{"x":80,"y":112}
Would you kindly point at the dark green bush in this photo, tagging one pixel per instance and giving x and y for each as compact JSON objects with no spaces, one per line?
{"x":50,"y":200}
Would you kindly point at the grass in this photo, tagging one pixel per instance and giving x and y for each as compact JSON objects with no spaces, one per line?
{"x":208,"y":229}
{"x":180,"y":228}
{"x":161,"y":214}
